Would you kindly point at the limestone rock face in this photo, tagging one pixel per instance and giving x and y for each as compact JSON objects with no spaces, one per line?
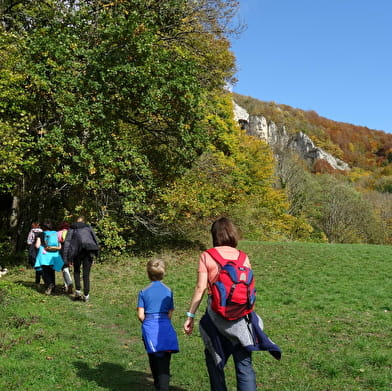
{"x":240,"y":113}
{"x":281,"y":141}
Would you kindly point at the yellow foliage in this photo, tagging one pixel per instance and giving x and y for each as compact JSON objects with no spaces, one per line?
{"x":233,"y":177}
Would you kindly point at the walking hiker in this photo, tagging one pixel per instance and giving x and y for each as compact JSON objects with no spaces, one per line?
{"x":232,"y":331}
{"x":62,"y":234}
{"x":48,"y":258}
{"x":154,"y":309}
{"x":80,"y":248}
{"x":32,"y":250}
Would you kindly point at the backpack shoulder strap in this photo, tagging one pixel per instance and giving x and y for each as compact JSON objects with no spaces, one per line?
{"x":46,"y":236}
{"x":216,"y":256}
{"x":222,"y":261}
{"x":241,"y":258}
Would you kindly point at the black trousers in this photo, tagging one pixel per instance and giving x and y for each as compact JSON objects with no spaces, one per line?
{"x":160,"y":368}
{"x":48,"y":275}
{"x":38,"y":275}
{"x":84,"y":261}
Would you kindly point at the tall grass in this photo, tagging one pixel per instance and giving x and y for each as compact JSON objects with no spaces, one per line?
{"x":327,"y":306}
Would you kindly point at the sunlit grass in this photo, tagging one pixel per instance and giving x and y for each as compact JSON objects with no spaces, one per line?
{"x":327,"y":306}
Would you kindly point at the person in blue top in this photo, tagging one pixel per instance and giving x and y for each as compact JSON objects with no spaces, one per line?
{"x":48,"y":259}
{"x":155,"y":307}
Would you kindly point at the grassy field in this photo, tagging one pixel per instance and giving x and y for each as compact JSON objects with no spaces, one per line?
{"x":329,"y":308}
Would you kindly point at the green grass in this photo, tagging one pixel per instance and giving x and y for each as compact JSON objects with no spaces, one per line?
{"x":327,"y":306}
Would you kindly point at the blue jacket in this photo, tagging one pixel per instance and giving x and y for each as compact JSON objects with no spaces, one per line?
{"x":222,"y":347}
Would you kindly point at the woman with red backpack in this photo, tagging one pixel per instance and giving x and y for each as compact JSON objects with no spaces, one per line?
{"x":226,"y":331}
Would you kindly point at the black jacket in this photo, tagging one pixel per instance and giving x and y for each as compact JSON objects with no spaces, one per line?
{"x":80,"y":238}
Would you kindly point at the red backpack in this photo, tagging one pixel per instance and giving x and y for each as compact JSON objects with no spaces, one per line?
{"x":233,"y":293}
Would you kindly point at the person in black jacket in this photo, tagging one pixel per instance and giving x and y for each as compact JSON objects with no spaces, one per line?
{"x":80,"y":248}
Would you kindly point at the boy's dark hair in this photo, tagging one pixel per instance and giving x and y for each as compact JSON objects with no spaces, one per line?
{"x":224,"y":233}
{"x":155,"y":269}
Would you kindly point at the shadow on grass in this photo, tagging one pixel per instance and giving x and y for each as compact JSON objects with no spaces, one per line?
{"x":58,"y":290}
{"x":114,"y":377}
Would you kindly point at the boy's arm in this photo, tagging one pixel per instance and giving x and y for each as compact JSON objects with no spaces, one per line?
{"x":170,"y":312}
{"x":140,"y":313}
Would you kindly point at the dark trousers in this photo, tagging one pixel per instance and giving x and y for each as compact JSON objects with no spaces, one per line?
{"x":48,"y":275}
{"x":32,"y":252}
{"x":38,"y":275}
{"x":245,"y":375}
{"x":84,"y":261}
{"x":160,"y":368}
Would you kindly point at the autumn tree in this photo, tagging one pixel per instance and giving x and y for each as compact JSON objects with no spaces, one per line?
{"x":345,"y":216}
{"x":382,"y":206}
{"x":233,"y":177}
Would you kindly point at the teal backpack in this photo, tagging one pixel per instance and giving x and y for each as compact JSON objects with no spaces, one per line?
{"x":51,"y":241}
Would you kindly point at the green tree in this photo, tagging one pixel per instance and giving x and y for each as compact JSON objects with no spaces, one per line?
{"x":116,"y":95}
{"x":14,"y":119}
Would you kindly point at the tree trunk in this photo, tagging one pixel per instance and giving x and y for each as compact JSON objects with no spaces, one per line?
{"x":14,"y":222}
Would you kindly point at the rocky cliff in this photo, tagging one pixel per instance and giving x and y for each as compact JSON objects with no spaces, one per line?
{"x":281,"y":141}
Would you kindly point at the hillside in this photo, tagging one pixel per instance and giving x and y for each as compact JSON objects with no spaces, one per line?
{"x":358,"y":146}
{"x":347,"y":205}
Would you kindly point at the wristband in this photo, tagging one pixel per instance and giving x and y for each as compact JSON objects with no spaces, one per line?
{"x":190,"y":315}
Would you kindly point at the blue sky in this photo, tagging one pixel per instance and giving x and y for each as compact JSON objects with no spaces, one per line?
{"x":330,"y":56}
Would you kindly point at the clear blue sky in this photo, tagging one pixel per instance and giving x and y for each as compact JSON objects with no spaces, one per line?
{"x":330,"y":56}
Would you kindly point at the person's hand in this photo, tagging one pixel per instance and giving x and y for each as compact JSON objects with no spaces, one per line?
{"x":188,"y":326}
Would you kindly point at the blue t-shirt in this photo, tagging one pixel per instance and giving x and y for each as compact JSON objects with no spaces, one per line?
{"x":156,"y":298}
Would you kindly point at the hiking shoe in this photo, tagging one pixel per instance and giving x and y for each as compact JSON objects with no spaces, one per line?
{"x":77,"y":296}
{"x":49,"y":289}
{"x":68,"y":289}
{"x":86,"y":298}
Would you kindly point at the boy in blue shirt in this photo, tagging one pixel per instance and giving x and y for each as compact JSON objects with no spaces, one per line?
{"x":154,"y":309}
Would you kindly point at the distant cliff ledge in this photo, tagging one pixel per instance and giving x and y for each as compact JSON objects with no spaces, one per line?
{"x":281,"y":142}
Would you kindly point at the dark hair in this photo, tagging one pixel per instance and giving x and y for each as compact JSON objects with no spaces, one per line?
{"x":63,"y":225}
{"x":47,"y":226}
{"x":224,"y":233}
